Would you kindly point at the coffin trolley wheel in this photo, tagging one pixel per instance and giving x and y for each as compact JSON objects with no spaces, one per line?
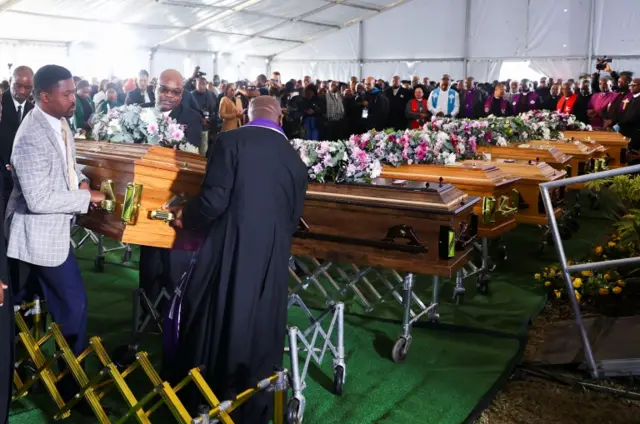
{"x":98,"y":264}
{"x":542,"y":246}
{"x":400,"y":350}
{"x":594,"y":201}
{"x":572,"y":223}
{"x":502,"y":252}
{"x":458,"y":298}
{"x":127,"y":255}
{"x":293,"y":411}
{"x":482,"y":284}
{"x":565,"y":232}
{"x":338,"y":380}
{"x":124,"y":355}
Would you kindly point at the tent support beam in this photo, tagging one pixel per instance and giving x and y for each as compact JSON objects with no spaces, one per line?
{"x":590,"y":43}
{"x":467,"y":23}
{"x":360,"y":49}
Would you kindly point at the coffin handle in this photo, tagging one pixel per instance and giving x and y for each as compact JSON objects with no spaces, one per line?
{"x":131,"y":203}
{"x":107,"y":205}
{"x":163,"y":214}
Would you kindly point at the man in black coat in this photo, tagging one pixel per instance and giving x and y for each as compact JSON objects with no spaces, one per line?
{"x":143,"y":94}
{"x":6,"y":321}
{"x":630,"y":122}
{"x":163,"y":268}
{"x":234,"y":310}
{"x":14,"y":108}
{"x":375,"y":107}
{"x":398,"y":97}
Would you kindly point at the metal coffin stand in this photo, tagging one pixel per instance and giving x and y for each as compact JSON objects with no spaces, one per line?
{"x":601,"y":368}
{"x":496,"y":210}
{"x":411,"y":227}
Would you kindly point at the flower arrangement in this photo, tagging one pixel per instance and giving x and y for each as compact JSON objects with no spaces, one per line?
{"x":132,"y":123}
{"x":587,"y":286}
{"x":325,"y":160}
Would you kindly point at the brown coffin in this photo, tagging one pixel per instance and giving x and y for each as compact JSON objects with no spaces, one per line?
{"x":475,"y":179}
{"x":161,"y":172}
{"x":397,"y":226}
{"x":615,"y":142}
{"x":583,"y":157}
{"x":531,"y":210}
{"x":528,"y":152}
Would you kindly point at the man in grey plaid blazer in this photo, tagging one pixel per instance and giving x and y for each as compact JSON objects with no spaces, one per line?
{"x":48,"y":191}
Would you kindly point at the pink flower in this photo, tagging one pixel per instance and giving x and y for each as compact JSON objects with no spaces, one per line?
{"x":421,"y":151}
{"x":152,"y":128}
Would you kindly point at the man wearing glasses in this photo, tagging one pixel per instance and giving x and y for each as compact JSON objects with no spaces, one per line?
{"x":163,"y":268}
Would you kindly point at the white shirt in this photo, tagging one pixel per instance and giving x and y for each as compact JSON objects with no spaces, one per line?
{"x":166,"y":114}
{"x":16,"y":104}
{"x":442,"y":105}
{"x":56,"y":126}
{"x":635,"y":96}
{"x":146,"y":96}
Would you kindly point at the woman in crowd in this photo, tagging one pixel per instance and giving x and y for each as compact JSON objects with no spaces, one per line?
{"x":110,"y":102}
{"x":230,"y":114}
{"x":101,"y":95}
{"x":311,"y":112}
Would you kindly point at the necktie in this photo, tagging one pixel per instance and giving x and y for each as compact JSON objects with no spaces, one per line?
{"x":71,"y":172}
{"x":20,"y":113}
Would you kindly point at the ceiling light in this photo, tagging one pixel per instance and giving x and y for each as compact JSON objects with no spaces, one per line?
{"x":566,"y":10}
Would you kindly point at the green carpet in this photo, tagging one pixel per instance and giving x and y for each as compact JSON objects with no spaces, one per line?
{"x":452,"y":369}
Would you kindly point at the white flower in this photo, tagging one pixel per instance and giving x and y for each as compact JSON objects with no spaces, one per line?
{"x":148,"y":116}
{"x":501,"y":141}
{"x":188,"y":147}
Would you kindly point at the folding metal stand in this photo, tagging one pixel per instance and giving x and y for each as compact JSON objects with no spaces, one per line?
{"x":372,"y":288}
{"x":102,"y":250}
{"x":93,"y":389}
{"x":480,"y":272}
{"x":602,"y":368}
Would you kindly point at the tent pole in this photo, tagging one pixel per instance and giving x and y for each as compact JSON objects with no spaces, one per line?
{"x":360,"y":49}
{"x":467,"y":23}
{"x":590,"y":47}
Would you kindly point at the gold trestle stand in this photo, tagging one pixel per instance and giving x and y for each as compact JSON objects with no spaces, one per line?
{"x":94,"y":389}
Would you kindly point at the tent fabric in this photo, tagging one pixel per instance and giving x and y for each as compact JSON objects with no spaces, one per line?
{"x":328,"y":38}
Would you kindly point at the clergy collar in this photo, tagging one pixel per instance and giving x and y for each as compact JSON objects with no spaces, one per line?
{"x":497,"y":98}
{"x":265,"y":123}
{"x":635,"y":96}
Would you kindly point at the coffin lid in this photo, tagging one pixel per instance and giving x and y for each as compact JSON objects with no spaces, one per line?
{"x":103,"y":154}
{"x":603,"y":137}
{"x":525,"y":151}
{"x":571,"y":147}
{"x":537,"y":171}
{"x":431,"y":196}
{"x":474,"y":173}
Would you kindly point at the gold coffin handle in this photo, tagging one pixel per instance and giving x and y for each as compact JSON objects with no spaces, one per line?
{"x":131,"y":203}
{"x":108,"y":205}
{"x":163,"y":214}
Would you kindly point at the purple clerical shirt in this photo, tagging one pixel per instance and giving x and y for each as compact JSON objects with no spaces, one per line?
{"x":599,"y":103}
{"x":468,"y":103}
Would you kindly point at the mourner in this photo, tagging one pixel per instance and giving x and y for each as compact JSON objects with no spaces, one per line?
{"x":234,"y":311}
{"x":6,"y":323}
{"x":497,"y":105}
{"x":444,"y":101}
{"x":48,"y":192}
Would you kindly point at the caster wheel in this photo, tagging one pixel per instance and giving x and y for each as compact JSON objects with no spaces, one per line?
{"x":542,"y":246}
{"x":125,"y":355}
{"x":293,"y":411}
{"x":99,"y":264}
{"x":400,"y":350}
{"x":338,"y":380}
{"x":565,"y":232}
{"x":502,"y":253}
{"x":127,"y":256}
{"x":458,"y":298}
{"x":433,"y":319}
{"x":482,"y":284}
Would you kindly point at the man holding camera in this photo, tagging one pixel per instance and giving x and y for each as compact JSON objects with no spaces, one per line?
{"x":208,"y":107}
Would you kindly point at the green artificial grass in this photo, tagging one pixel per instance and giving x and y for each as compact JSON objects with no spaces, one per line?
{"x":452,"y":370}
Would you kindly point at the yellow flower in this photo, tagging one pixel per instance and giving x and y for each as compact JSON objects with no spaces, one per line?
{"x":607,"y":277}
{"x":537,"y":276}
{"x":598,"y":250}
{"x":587,"y":273}
{"x":604,"y":256}
{"x":621,"y":283}
{"x":545,"y":275}
{"x":577,"y":283}
{"x":604,"y":291}
{"x":617,"y":290}
{"x":557,"y":293}
{"x":577,"y":295}
{"x":611,"y":244}
{"x":569,"y":262}
{"x":552,"y":274}
{"x":547,"y":283}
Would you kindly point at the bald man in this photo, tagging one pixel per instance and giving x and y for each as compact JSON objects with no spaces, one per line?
{"x":630,"y":122}
{"x":172,"y":100}
{"x":163,"y":268}
{"x":234,"y":309}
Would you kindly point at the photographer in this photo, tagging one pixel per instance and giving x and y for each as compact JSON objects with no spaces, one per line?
{"x":613,"y":113}
{"x":190,"y":84}
{"x":208,"y":107}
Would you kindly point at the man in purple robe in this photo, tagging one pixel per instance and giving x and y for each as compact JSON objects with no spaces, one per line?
{"x":497,"y":105}
{"x":620,"y":103}
{"x":525,"y":100}
{"x":600,"y":102}
{"x":472,"y":100}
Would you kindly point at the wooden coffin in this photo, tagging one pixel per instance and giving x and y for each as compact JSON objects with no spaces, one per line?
{"x":498,"y":203}
{"x":615,"y":142}
{"x":142,"y":179}
{"x":408,"y":226}
{"x":531,"y":209}
{"x":527,"y":152}
{"x":584,"y":158}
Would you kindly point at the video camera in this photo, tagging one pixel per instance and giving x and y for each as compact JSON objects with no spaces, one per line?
{"x":197,"y":73}
{"x":601,"y":64}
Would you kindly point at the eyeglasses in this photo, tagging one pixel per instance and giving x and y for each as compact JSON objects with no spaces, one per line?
{"x":633,"y":84}
{"x":175,"y":92}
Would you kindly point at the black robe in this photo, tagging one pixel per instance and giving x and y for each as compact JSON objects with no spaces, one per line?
{"x":234,"y":310}
{"x":6,"y":329}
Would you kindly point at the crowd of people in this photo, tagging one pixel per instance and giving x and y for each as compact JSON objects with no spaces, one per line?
{"x":248,"y":221}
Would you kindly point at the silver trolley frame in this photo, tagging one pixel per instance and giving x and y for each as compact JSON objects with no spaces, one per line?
{"x":599,"y":369}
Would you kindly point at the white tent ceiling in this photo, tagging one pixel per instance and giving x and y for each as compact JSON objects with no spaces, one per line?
{"x":321,"y":38}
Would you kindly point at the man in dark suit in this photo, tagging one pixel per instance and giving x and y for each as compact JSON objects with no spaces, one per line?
{"x":163,"y":268}
{"x":6,"y":325}
{"x":15,"y":107}
{"x":143,"y":94}
{"x":398,"y":97}
{"x":630,"y":122}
